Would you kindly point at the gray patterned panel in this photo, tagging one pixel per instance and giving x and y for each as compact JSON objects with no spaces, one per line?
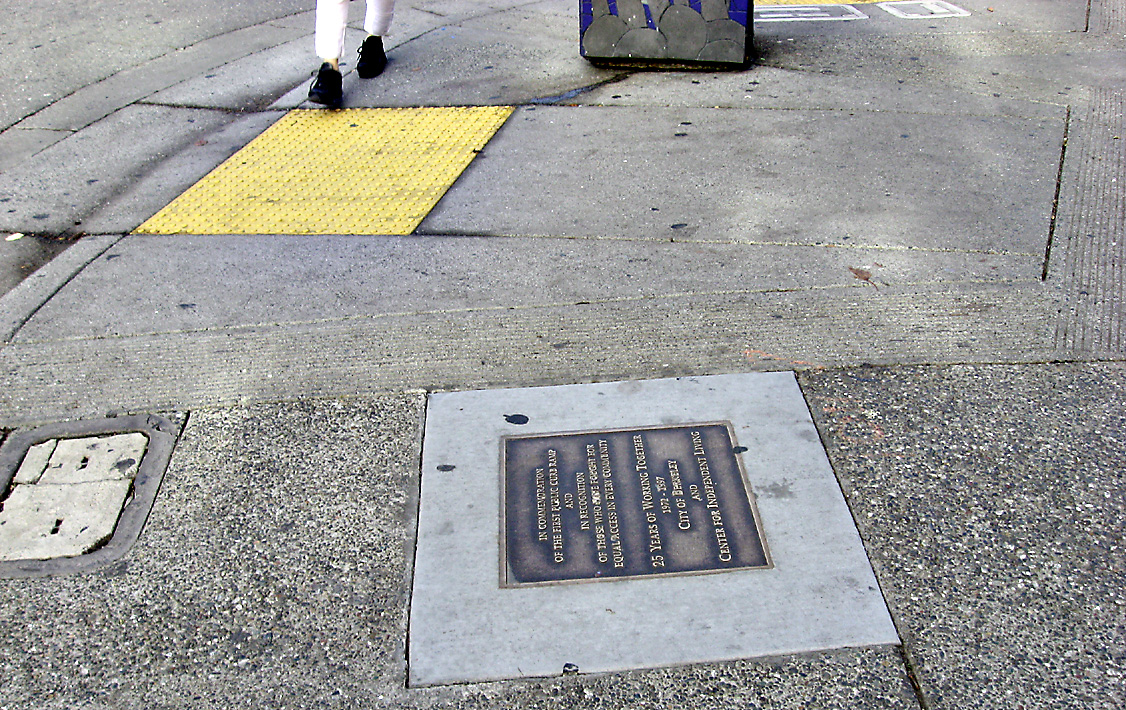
{"x":666,"y":31}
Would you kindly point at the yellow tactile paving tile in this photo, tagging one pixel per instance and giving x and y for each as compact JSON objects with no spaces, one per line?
{"x":355,"y":171}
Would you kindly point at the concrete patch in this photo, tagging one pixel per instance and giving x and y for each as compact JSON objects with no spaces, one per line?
{"x":820,"y":593}
{"x":46,"y":522}
{"x":67,"y":495}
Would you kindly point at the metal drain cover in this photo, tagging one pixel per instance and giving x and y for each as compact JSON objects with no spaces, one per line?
{"x":74,"y":496}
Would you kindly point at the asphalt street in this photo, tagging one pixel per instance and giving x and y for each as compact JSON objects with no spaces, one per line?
{"x":922,"y":218}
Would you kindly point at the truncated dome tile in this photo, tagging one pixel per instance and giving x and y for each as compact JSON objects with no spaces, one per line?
{"x":356,"y":171}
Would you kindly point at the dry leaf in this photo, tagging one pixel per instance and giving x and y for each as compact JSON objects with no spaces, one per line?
{"x":863,"y":275}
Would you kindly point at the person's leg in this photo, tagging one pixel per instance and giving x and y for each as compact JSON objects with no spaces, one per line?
{"x":377,"y":22}
{"x":328,"y":41}
{"x":332,"y":18}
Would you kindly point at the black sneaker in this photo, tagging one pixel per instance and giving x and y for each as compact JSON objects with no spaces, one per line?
{"x":327,"y":88}
{"x":372,"y":58}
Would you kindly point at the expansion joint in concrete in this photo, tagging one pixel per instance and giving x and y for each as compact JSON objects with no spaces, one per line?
{"x":913,"y":677}
{"x":34,"y":293}
{"x":1056,"y":198}
{"x":234,"y":112}
{"x":411,"y":511}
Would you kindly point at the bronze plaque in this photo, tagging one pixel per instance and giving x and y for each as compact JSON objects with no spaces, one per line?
{"x":626,"y":503}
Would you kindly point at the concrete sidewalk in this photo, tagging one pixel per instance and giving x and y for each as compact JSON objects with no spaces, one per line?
{"x":923,"y":218}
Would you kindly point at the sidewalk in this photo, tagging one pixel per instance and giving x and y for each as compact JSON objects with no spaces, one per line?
{"x":922,"y":218}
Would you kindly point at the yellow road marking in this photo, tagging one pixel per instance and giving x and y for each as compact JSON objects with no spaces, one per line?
{"x":355,"y":171}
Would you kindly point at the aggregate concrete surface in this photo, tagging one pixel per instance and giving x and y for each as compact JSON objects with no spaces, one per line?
{"x":925,"y":218}
{"x":991,"y":499}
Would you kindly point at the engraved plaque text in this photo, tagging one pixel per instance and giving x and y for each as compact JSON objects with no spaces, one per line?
{"x":612,"y":504}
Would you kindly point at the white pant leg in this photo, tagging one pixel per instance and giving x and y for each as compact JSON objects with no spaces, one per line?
{"x":377,"y":21}
{"x":332,"y":18}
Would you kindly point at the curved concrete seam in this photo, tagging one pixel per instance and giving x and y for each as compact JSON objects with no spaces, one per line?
{"x":188,"y":73}
{"x":21,"y":303}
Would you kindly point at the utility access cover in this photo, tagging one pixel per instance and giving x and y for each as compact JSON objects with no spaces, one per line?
{"x":74,"y":496}
{"x":631,"y":525}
